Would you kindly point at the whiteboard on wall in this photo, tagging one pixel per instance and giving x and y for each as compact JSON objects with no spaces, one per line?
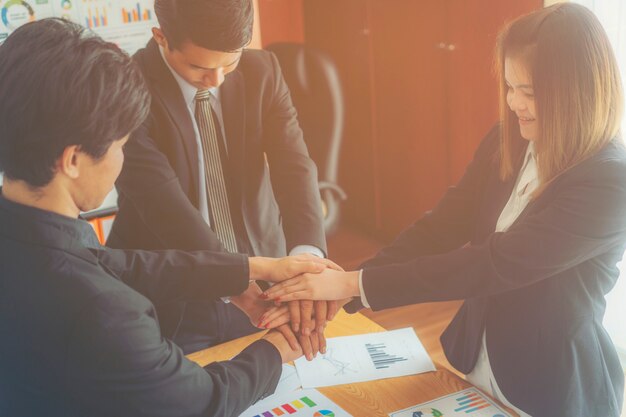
{"x":126,"y":23}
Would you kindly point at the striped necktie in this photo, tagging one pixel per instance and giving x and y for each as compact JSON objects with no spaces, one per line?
{"x":214,"y":173}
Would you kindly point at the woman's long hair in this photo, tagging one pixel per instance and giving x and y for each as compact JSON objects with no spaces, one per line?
{"x":578,"y":92}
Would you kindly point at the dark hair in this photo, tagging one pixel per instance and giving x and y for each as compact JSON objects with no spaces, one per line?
{"x":218,"y":25}
{"x":61,"y":86}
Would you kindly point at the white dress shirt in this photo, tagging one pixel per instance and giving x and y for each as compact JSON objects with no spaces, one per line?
{"x":527,"y":181}
{"x":189,"y":95}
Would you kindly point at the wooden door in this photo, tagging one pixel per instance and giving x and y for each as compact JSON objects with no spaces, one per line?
{"x":473,"y":26}
{"x":409,"y":99}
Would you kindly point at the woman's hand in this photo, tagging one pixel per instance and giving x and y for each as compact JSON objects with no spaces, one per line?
{"x":276,"y":270}
{"x":326,"y":285}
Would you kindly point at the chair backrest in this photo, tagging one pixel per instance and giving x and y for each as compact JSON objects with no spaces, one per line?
{"x":316,"y":92}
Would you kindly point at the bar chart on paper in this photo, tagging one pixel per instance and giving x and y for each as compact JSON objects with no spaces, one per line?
{"x":380,"y":358}
{"x":300,"y":403}
{"x":469,"y":402}
{"x":365,"y":357}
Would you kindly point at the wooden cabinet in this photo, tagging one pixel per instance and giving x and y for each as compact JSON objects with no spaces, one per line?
{"x":280,"y":21}
{"x":420,"y":94}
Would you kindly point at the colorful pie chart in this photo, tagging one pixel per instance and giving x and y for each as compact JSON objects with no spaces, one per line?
{"x":15,"y":13}
{"x":324,"y":413}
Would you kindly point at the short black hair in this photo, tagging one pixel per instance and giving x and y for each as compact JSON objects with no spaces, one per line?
{"x":217,"y":25}
{"x":61,"y":85}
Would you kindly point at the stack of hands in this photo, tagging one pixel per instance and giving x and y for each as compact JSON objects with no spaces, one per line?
{"x":308,"y":292}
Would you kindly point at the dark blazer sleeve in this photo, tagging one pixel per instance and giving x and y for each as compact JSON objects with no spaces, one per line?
{"x":174,"y":275}
{"x":582,"y":218}
{"x":151,"y":185}
{"x":119,"y":365}
{"x":293,"y":172}
{"x":449,"y":225}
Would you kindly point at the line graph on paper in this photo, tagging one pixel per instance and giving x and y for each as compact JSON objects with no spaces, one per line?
{"x":340,"y":367}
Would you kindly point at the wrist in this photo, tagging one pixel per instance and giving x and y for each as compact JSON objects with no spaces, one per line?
{"x":259,"y":267}
{"x":352,"y":284}
{"x":355,"y":289}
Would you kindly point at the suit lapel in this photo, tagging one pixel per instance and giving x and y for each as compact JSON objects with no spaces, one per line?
{"x":498,"y":193}
{"x":166,"y":90}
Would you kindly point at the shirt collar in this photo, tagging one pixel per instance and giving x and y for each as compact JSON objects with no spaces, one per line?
{"x":528,"y":176}
{"x":51,"y":227}
{"x":188,"y":90}
{"x":530,"y":151}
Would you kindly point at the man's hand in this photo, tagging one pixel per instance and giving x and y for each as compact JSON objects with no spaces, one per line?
{"x":276,"y":270}
{"x":285,"y":341}
{"x":312,"y":344}
{"x":328,"y":285}
{"x":324,"y":311}
{"x":255,"y":308}
{"x":302,"y":312}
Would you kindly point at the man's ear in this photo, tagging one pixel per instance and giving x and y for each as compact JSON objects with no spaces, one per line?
{"x":159,"y":37}
{"x":69,"y":162}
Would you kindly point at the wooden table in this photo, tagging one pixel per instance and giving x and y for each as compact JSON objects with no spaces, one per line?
{"x":373,"y":398}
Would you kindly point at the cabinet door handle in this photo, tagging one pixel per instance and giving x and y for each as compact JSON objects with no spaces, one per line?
{"x":445,"y":46}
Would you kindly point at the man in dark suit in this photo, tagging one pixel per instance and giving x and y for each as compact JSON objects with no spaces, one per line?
{"x":197,"y":172}
{"x":80,"y":334}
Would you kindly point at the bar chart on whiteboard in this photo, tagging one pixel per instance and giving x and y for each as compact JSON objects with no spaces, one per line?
{"x":124,"y":22}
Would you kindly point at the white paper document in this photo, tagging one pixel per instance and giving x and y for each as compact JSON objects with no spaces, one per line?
{"x":366,"y":357}
{"x":300,"y":403}
{"x":288,"y":381}
{"x":469,"y":402}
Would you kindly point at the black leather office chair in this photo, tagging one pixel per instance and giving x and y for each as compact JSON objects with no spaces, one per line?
{"x":317,"y":95}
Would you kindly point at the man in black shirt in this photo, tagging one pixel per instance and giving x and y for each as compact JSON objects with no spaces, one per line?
{"x":80,"y":335}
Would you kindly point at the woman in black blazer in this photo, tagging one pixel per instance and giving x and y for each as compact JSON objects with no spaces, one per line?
{"x":530,"y":236}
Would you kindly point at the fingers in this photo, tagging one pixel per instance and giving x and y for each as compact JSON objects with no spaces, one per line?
{"x":274,"y":317}
{"x":307,"y":349}
{"x":322,"y":341}
{"x":294,"y":314}
{"x":307,"y":263}
{"x":286,"y":287}
{"x":332,"y":309}
{"x":330,"y":264}
{"x":291,"y":338}
{"x":306,"y":314}
{"x":304,"y":267}
{"x":315,"y":343}
{"x":321,"y":315}
{"x":295,"y":296}
{"x":324,"y":261}
{"x":279,"y":321}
